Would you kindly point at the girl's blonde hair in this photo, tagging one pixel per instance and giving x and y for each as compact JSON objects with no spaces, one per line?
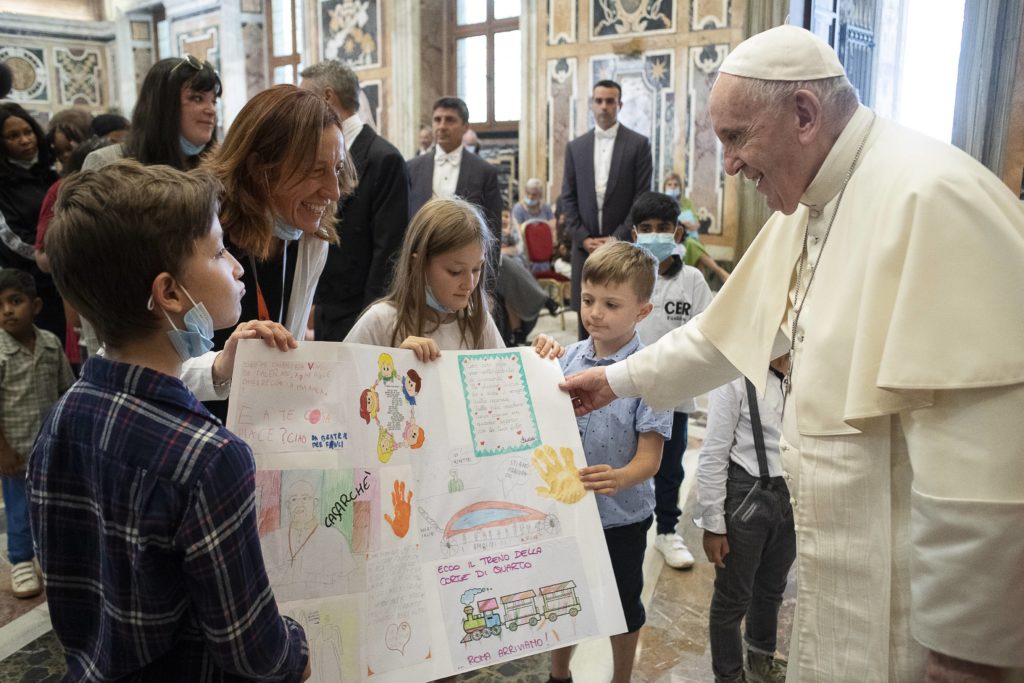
{"x":442,"y":225}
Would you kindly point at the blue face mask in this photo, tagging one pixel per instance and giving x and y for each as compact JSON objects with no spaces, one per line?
{"x":435,"y":304}
{"x":661,"y":244}
{"x":188,"y":148}
{"x":673,"y":192}
{"x":197,"y":337}
{"x":531,"y":202}
{"x":285,"y":232}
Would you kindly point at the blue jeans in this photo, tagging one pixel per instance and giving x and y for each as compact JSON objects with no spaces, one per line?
{"x":761,"y":551}
{"x":19,"y":535}
{"x":670,"y":477}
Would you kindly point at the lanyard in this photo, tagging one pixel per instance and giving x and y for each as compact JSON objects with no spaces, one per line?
{"x":262,"y":312}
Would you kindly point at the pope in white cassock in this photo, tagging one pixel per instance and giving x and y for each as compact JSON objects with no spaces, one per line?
{"x":904,"y":422}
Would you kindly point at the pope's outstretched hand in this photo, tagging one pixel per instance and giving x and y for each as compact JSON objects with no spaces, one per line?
{"x":589,"y":390}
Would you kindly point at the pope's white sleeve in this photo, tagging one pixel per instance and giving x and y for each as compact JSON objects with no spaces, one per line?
{"x":967,"y":517}
{"x":681,"y":365}
{"x":197,"y":374}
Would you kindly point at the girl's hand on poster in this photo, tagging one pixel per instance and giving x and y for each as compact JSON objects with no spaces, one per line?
{"x":425,"y":349}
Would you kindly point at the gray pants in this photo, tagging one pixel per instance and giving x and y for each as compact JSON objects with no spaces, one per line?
{"x":762,"y":548}
{"x":519,"y":288}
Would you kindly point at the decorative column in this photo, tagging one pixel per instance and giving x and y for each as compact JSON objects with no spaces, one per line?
{"x":404,"y":113}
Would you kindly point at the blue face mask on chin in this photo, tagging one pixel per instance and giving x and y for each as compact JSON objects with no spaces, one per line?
{"x":660,"y":244}
{"x":197,"y":337}
{"x":437,"y":305}
{"x":286,"y":232}
{"x":188,"y":148}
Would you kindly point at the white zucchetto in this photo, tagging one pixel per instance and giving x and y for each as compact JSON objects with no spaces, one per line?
{"x":783,"y":53}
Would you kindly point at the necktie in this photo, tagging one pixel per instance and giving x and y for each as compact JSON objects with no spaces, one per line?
{"x":442,"y":159}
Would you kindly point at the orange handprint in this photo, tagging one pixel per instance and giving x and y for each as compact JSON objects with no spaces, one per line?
{"x":400,"y":524}
{"x":562,"y":477}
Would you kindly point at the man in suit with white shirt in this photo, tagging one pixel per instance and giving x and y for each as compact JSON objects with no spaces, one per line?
{"x":453,"y":171}
{"x":372,"y":219}
{"x":606,"y":169}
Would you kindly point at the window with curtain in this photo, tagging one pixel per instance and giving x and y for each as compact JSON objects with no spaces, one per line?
{"x":488,"y":62}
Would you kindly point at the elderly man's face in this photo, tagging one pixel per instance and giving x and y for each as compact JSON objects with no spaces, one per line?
{"x":761,"y":144}
{"x":301,"y":502}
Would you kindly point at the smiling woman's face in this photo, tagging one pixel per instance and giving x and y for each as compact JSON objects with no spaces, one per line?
{"x":300,"y":201}
{"x":198,"y":115}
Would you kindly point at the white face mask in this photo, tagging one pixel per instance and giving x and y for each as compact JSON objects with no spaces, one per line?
{"x":197,"y":337}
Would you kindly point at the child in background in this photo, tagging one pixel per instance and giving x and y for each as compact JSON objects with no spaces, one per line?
{"x":142,"y":503}
{"x":622,"y":441}
{"x":680,"y":293}
{"x":750,"y":538}
{"x":696,"y":253}
{"x":34,"y":372}
{"x":435,"y":302}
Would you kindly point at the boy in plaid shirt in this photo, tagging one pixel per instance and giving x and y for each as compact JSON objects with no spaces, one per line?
{"x":142,"y":503}
{"x":34,"y":372}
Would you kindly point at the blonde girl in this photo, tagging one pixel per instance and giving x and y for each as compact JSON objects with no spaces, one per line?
{"x":435,"y":301}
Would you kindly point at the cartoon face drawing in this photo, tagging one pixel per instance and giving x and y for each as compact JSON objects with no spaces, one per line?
{"x":386,"y":367}
{"x":413,"y":435}
{"x":412,"y":383}
{"x":385,"y":446}
{"x":369,"y":404}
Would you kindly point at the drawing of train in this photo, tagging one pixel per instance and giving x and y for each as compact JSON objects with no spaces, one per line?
{"x":520,"y":608}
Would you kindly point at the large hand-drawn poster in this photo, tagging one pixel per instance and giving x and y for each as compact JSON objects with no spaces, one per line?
{"x":422,"y":519}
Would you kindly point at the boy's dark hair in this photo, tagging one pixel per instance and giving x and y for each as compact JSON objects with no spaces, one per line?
{"x":453,"y":103}
{"x":18,"y":280}
{"x":654,"y":205}
{"x":115,"y":229}
{"x":105,"y":124}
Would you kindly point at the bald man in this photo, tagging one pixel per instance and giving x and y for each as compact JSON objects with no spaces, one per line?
{"x":903,"y":439}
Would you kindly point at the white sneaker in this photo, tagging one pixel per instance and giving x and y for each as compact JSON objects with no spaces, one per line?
{"x":677,"y":555}
{"x":24,"y":580}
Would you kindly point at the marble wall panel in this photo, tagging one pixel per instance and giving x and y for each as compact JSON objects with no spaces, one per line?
{"x":254,"y":43}
{"x":79,"y":76}
{"x":704,"y":179}
{"x":141,"y":30}
{"x":142,"y":58}
{"x":562,"y":20}
{"x":709,"y":14}
{"x":648,"y":99}
{"x":562,"y":103}
{"x":28,"y":66}
{"x":350,"y":31}
{"x":252,"y":6}
{"x":618,"y":18}
{"x":202,"y":43}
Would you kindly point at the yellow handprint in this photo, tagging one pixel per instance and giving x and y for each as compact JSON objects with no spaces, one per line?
{"x":562,"y":478}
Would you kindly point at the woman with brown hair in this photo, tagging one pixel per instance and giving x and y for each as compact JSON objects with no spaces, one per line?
{"x":284,"y":168}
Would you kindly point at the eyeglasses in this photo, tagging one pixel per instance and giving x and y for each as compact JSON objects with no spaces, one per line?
{"x":191,"y":61}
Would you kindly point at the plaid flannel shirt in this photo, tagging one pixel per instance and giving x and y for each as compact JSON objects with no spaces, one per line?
{"x":143,"y":515}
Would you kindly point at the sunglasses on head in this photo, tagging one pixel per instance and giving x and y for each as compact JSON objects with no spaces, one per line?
{"x":194,"y":63}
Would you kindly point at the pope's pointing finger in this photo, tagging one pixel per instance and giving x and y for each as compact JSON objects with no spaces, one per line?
{"x":589,"y":390}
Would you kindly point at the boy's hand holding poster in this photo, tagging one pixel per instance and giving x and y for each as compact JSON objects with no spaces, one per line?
{"x":422,"y":519}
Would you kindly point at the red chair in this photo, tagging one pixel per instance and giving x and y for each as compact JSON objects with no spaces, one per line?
{"x":540,"y":249}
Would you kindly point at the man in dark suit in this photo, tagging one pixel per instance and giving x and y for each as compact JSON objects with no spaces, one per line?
{"x":372,"y":220}
{"x":452,"y":171}
{"x":606,"y":169}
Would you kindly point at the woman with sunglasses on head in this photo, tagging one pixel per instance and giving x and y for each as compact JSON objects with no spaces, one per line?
{"x":26,"y":174}
{"x":175,"y":118}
